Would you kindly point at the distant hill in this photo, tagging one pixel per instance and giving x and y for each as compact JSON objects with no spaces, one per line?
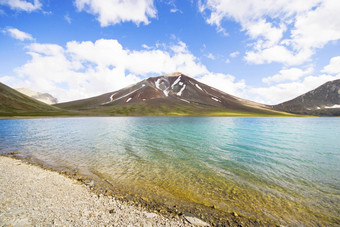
{"x":323,"y":101}
{"x":42,"y":97}
{"x":171,"y":94}
{"x":13,"y":103}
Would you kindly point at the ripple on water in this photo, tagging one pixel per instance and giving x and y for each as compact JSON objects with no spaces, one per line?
{"x":282,"y":169}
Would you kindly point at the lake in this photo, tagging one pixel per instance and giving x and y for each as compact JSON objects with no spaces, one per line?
{"x":282,"y":169}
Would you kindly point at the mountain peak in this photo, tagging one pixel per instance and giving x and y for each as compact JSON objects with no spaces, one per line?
{"x":167,"y":93}
{"x":175,"y":74}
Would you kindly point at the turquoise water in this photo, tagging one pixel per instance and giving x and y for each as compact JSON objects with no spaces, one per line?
{"x":282,"y":169}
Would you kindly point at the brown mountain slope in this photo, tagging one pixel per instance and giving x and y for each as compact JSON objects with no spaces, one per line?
{"x":323,"y":101}
{"x":169,"y":94}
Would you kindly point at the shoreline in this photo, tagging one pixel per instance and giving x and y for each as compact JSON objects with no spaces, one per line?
{"x":210,"y":116}
{"x":184,"y":214}
{"x":31,"y":195}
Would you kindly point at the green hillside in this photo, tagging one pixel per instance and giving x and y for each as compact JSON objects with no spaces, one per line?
{"x":14,"y":103}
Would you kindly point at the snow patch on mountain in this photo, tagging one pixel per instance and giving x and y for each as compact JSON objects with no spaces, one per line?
{"x":176,"y":81}
{"x":332,"y":107}
{"x":130,"y":93}
{"x":181,"y":91}
{"x":215,"y":99}
{"x":185,"y":100}
{"x":198,"y":87}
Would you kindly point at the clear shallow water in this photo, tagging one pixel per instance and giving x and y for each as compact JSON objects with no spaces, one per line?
{"x":283,"y":169}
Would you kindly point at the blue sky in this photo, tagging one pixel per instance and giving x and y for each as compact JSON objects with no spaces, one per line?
{"x":265,"y":50}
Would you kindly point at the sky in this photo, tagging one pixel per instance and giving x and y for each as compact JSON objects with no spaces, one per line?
{"x":268,"y":51}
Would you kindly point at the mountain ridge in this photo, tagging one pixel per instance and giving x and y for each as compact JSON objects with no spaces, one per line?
{"x":321,"y":101}
{"x":168,"y":94}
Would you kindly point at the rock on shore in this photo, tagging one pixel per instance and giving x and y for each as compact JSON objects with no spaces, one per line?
{"x":31,"y":196}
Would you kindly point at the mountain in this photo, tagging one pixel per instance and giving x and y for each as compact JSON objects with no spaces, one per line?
{"x":171,"y":94}
{"x":322,"y":101}
{"x":14,"y":103}
{"x":42,"y":97}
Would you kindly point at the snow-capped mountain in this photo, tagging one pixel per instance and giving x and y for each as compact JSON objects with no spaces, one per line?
{"x":174,"y":92}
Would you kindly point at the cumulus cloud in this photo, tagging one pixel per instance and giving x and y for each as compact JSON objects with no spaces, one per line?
{"x":292,"y":82}
{"x":224,"y":82}
{"x":283,"y":31}
{"x":17,"y":34}
{"x":291,"y":74}
{"x":286,"y":91}
{"x":22,"y":5}
{"x":117,"y":11}
{"x":333,"y":67}
{"x":84,"y":69}
{"x":278,"y":53}
{"x":317,"y":27}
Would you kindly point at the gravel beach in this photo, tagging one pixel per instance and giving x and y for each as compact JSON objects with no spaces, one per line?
{"x":30,"y":195}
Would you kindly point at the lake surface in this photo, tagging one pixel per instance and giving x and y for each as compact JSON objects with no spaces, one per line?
{"x":282,"y":169}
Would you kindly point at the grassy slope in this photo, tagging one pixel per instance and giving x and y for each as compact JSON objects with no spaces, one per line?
{"x":14,"y":103}
{"x":151,"y":109}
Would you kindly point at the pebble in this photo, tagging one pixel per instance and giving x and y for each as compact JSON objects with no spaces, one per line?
{"x":150,"y":215}
{"x":53,"y":199}
{"x":196,"y":221}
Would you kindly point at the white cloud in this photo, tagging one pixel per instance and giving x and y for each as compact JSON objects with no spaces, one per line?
{"x":146,"y":47}
{"x":287,"y":91}
{"x":278,"y":53}
{"x":181,"y":47}
{"x":291,"y":74}
{"x":268,"y":34}
{"x":17,"y":34}
{"x":22,"y":5}
{"x":68,"y":18}
{"x":317,"y":27}
{"x":211,"y":56}
{"x":248,"y":11}
{"x":227,"y":61}
{"x":333,"y":67}
{"x":117,"y":11}
{"x":234,"y":54}
{"x":224,"y":82}
{"x":283,"y":31}
{"x":175,"y":10}
{"x":85,"y":69}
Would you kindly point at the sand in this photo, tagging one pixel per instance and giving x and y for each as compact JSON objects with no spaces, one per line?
{"x":30,"y":195}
